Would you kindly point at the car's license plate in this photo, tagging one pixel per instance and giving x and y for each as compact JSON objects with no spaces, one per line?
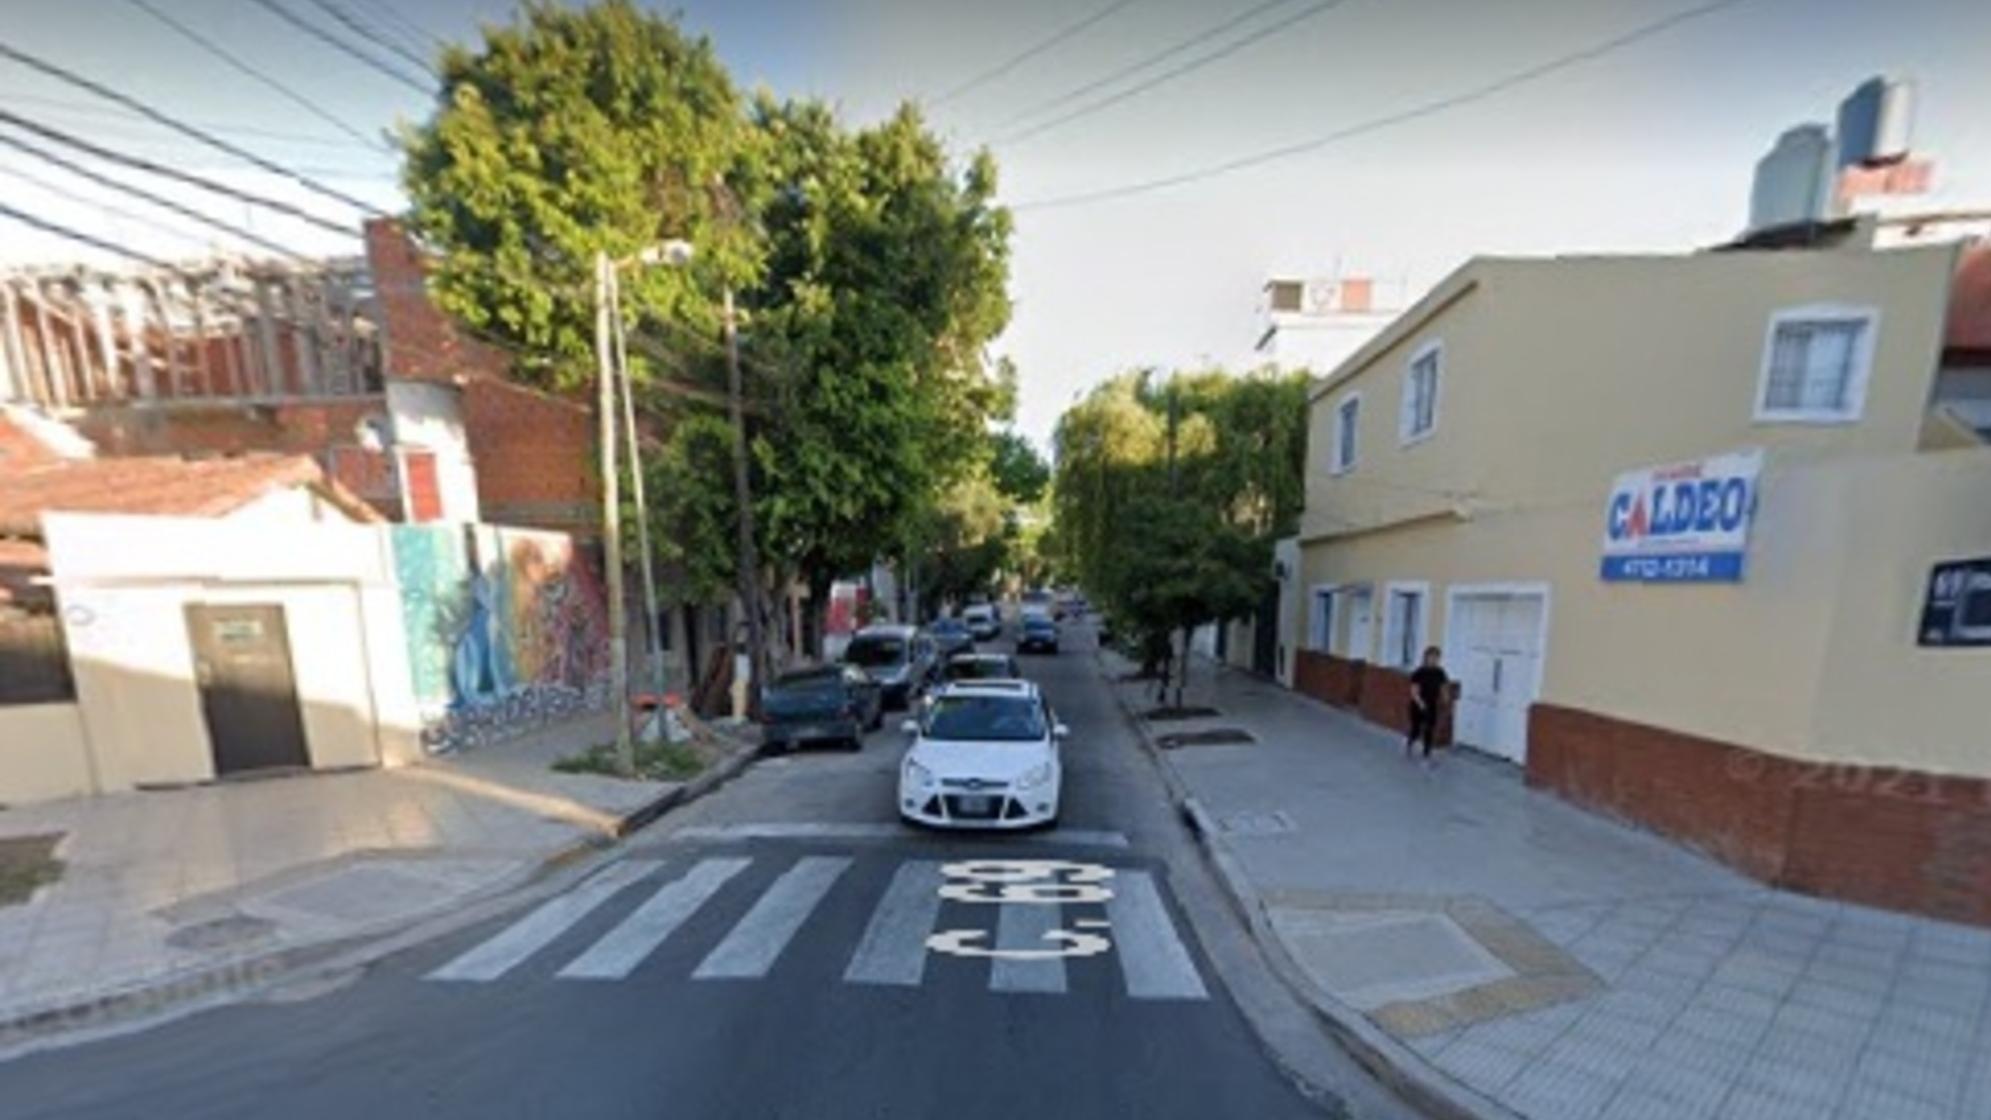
{"x":975,"y":805}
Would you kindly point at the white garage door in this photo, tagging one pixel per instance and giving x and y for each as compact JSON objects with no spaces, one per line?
{"x":1495,"y":650}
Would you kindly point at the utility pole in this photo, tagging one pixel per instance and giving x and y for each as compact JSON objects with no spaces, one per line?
{"x":611,"y":519}
{"x":652,"y":621}
{"x":743,"y":495}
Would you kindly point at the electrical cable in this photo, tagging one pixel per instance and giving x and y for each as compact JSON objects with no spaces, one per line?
{"x":1376,"y":124}
{"x":1167,"y":76}
{"x":333,"y":41}
{"x":1028,"y":53}
{"x":217,"y":50}
{"x":137,"y":192}
{"x":176,"y":125}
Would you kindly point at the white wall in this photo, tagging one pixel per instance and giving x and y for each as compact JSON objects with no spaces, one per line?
{"x":123,"y":584}
{"x":428,"y":415}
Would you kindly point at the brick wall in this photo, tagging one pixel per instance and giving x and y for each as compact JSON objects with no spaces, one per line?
{"x":302,"y":428}
{"x":535,"y":457}
{"x":534,"y":452}
{"x":1880,"y":836}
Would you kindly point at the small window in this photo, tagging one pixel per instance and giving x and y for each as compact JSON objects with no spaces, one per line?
{"x":1321,"y":620}
{"x":1347,"y":416}
{"x":1815,"y":365}
{"x":1420,"y":394}
{"x":1403,"y":627}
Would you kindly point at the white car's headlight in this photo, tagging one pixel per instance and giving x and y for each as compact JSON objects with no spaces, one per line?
{"x":918,"y":775}
{"x":1037,"y":776}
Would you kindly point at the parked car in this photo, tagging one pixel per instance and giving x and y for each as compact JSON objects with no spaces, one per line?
{"x":980,"y":667}
{"x":899,"y":658}
{"x":984,"y":755}
{"x":827,"y":703}
{"x":983,"y":621}
{"x":1038,"y":634}
{"x":950,"y":636}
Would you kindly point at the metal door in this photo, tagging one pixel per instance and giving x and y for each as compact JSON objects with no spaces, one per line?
{"x":1361,"y":623}
{"x":1496,"y":657}
{"x":247,"y":692}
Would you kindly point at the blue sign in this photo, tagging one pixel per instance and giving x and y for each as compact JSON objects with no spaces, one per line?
{"x":1683,"y":522}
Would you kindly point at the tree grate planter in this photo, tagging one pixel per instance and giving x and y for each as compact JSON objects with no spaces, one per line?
{"x":1164,"y":715}
{"x":1215,"y":737}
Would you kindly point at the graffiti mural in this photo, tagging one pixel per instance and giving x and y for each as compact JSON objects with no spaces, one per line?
{"x":507,"y":629}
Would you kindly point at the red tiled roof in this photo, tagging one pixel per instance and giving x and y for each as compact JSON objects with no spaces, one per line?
{"x":1970,"y":303}
{"x":160,"y":485}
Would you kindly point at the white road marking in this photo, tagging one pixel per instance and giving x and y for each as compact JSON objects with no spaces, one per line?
{"x":1023,"y":926}
{"x":777,"y":830}
{"x":1153,"y":960}
{"x":893,"y":950}
{"x":621,"y":949}
{"x":536,"y":930}
{"x":750,"y":950}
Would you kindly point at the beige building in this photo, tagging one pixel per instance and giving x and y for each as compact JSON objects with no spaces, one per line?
{"x":1501,"y":473}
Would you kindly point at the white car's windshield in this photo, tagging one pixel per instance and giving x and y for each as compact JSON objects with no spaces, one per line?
{"x":985,"y":718}
{"x":874,"y":652}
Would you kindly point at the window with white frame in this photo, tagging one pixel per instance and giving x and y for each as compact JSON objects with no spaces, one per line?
{"x":1815,"y":364}
{"x":1347,"y":416}
{"x":1320,"y":621}
{"x":1404,"y":614}
{"x":1419,"y":413}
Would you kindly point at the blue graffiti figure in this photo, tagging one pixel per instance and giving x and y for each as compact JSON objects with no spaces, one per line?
{"x":474,"y":673}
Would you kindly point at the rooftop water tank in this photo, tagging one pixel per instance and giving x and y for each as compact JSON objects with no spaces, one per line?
{"x":1793,"y":181}
{"x":1876,"y":121}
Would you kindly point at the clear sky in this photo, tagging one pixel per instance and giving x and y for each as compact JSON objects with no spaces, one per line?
{"x":1647,"y":148}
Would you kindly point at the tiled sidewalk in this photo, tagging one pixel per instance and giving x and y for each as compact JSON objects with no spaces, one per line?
{"x":161,"y":885}
{"x":1710,"y":996}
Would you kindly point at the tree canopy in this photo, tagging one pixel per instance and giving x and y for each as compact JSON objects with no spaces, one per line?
{"x":870,"y":268}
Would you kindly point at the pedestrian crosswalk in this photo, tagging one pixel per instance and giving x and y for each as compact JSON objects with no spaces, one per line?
{"x":1027,"y":936}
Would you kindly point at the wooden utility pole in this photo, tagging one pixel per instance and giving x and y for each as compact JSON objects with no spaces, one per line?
{"x":611,"y":519}
{"x":743,"y":494}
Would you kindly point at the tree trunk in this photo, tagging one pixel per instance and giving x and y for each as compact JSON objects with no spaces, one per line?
{"x":1182,"y":670}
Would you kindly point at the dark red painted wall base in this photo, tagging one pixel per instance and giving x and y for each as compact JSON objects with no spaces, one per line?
{"x":1379,"y":695}
{"x":1900,"y":839}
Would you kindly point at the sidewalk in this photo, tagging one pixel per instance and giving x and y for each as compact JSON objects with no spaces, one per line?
{"x":1552,"y":963}
{"x":172,"y":894}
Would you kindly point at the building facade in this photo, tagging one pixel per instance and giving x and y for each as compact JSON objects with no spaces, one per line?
{"x":1676,"y":523}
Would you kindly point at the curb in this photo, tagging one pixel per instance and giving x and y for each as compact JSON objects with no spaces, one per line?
{"x":1392,"y":1063}
{"x":129,"y":1005}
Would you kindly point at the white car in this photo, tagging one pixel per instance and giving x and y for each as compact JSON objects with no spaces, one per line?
{"x":984,"y":755}
{"x":982,"y":621}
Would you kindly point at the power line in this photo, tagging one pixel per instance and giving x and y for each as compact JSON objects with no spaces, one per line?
{"x":326,"y":37}
{"x":1170,"y":75}
{"x":158,"y":117}
{"x":111,"y":112}
{"x":140,"y":193}
{"x":1207,"y":33}
{"x":1029,"y":53}
{"x":291,"y":95}
{"x":1376,"y":124}
{"x":159,"y":169}
{"x":414,"y":32}
{"x":79,"y":237}
{"x":353,"y":24}
{"x":62,"y":191}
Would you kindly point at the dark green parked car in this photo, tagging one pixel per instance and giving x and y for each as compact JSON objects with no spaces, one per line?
{"x":828,"y":704}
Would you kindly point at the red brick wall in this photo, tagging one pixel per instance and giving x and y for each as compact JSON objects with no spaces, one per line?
{"x":1881,"y":836}
{"x":535,"y":457}
{"x":304,"y":428}
{"x":422,"y":343}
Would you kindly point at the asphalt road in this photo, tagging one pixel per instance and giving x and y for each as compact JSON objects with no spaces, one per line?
{"x":762,"y":954}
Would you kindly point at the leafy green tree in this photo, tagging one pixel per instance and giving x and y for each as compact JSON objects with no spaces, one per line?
{"x":572,"y":132}
{"x":1019,"y":471}
{"x":1169,"y":492}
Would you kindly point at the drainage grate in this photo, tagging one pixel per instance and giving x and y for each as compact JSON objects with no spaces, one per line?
{"x":1215,"y":737}
{"x":1162,"y":715}
{"x":222,"y":933}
